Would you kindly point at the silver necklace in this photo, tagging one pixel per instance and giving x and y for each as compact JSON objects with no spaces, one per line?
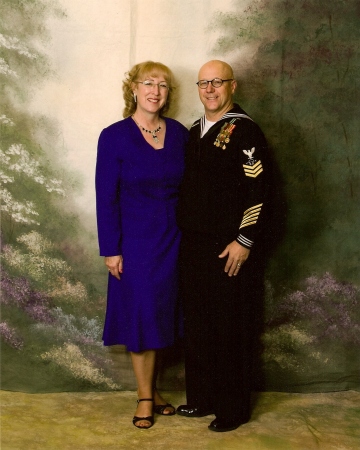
{"x":153,"y":132}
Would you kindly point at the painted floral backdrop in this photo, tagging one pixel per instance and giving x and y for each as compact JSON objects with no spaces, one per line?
{"x":300,"y":82}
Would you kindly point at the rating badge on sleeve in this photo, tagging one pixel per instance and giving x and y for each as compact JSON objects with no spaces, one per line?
{"x":253,"y":168}
{"x":223,"y":137}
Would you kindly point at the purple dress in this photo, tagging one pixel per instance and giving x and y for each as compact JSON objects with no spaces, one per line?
{"x":136,"y":197}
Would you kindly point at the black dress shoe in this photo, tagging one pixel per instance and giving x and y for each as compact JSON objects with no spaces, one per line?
{"x":224,"y":425}
{"x":193,"y":411}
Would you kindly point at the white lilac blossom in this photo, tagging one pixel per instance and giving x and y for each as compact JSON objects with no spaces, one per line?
{"x":4,"y":159}
{"x":19,"y":212}
{"x":5,"y":69}
{"x":283,"y":345}
{"x":5,"y":178}
{"x":70,"y":292}
{"x":13,"y":43}
{"x":39,"y":267}
{"x":35,"y":242}
{"x":70,"y":357}
{"x":6,"y":120}
{"x":45,"y":268}
{"x":18,"y":159}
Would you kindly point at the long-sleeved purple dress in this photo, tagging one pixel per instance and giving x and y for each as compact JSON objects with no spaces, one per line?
{"x":136,"y":197}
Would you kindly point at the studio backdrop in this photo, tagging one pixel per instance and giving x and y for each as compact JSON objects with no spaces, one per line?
{"x":61,"y":66}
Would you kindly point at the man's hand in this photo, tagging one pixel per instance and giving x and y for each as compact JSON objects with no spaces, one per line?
{"x":237,"y":255}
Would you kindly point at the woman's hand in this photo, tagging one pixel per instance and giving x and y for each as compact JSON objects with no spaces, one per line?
{"x":114,"y":265}
{"x":237,"y":256}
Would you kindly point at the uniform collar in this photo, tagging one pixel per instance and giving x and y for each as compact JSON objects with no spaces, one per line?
{"x":234,"y":113}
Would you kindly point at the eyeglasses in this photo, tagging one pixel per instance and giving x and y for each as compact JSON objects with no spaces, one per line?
{"x":149,"y":84}
{"x":216,"y":82}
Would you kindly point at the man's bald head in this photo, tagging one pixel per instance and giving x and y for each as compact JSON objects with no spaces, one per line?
{"x":220,"y":66}
{"x":217,"y":100}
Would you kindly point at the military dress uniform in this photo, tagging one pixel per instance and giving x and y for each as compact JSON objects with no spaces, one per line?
{"x":223,"y":198}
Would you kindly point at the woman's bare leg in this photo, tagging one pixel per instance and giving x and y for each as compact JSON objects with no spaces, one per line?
{"x":144,"y":366}
{"x":158,"y":399}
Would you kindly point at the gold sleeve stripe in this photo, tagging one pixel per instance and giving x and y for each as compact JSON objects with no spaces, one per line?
{"x":255,"y":207}
{"x":243,"y":225}
{"x":254,"y":166}
{"x":253,"y":174}
{"x":251,"y":215}
{"x":249,"y":221}
{"x":253,"y":171}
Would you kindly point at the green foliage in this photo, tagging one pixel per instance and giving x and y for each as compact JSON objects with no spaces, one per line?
{"x":300,"y":82}
{"x":36,"y":188}
{"x":312,"y":337}
{"x":50,"y":330}
{"x":23,"y":32}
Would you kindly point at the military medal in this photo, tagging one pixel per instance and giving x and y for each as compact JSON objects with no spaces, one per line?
{"x":224,"y":136}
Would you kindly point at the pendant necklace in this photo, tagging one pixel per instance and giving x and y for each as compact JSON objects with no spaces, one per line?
{"x":153,"y":133}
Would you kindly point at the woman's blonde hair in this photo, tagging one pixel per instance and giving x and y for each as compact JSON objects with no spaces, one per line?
{"x":139,"y":73}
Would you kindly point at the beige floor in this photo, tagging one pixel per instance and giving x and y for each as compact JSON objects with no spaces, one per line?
{"x":99,"y":421}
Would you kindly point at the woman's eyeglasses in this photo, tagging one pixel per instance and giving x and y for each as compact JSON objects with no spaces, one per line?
{"x":149,"y":84}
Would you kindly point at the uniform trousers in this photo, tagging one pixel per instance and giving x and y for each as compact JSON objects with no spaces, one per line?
{"x":218,"y":328}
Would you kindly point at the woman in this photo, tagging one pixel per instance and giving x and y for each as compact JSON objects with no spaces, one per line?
{"x":138,"y":172}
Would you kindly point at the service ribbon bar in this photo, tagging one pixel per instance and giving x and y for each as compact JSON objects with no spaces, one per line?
{"x":223,"y":137}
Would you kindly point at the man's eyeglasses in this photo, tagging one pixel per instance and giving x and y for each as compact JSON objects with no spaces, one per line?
{"x":149,"y":84}
{"x":216,"y":82}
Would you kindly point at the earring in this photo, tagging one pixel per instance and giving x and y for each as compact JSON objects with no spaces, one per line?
{"x":134,"y":97}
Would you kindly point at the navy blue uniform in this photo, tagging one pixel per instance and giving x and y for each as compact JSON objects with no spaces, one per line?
{"x":223,"y":197}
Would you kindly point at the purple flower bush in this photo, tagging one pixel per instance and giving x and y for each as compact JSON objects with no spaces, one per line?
{"x":17,"y":291}
{"x":10,"y":336}
{"x":76,"y":340}
{"x":312,"y":336}
{"x":78,"y":330}
{"x":326,"y":308}
{"x":37,"y":305}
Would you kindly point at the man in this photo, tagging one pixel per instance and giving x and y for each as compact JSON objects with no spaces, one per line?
{"x":222,"y":204}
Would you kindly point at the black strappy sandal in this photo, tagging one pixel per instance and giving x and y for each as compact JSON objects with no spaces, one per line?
{"x":148,"y":418}
{"x":160,"y":409}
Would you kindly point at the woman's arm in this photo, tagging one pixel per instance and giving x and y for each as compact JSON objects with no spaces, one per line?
{"x":107,"y":183}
